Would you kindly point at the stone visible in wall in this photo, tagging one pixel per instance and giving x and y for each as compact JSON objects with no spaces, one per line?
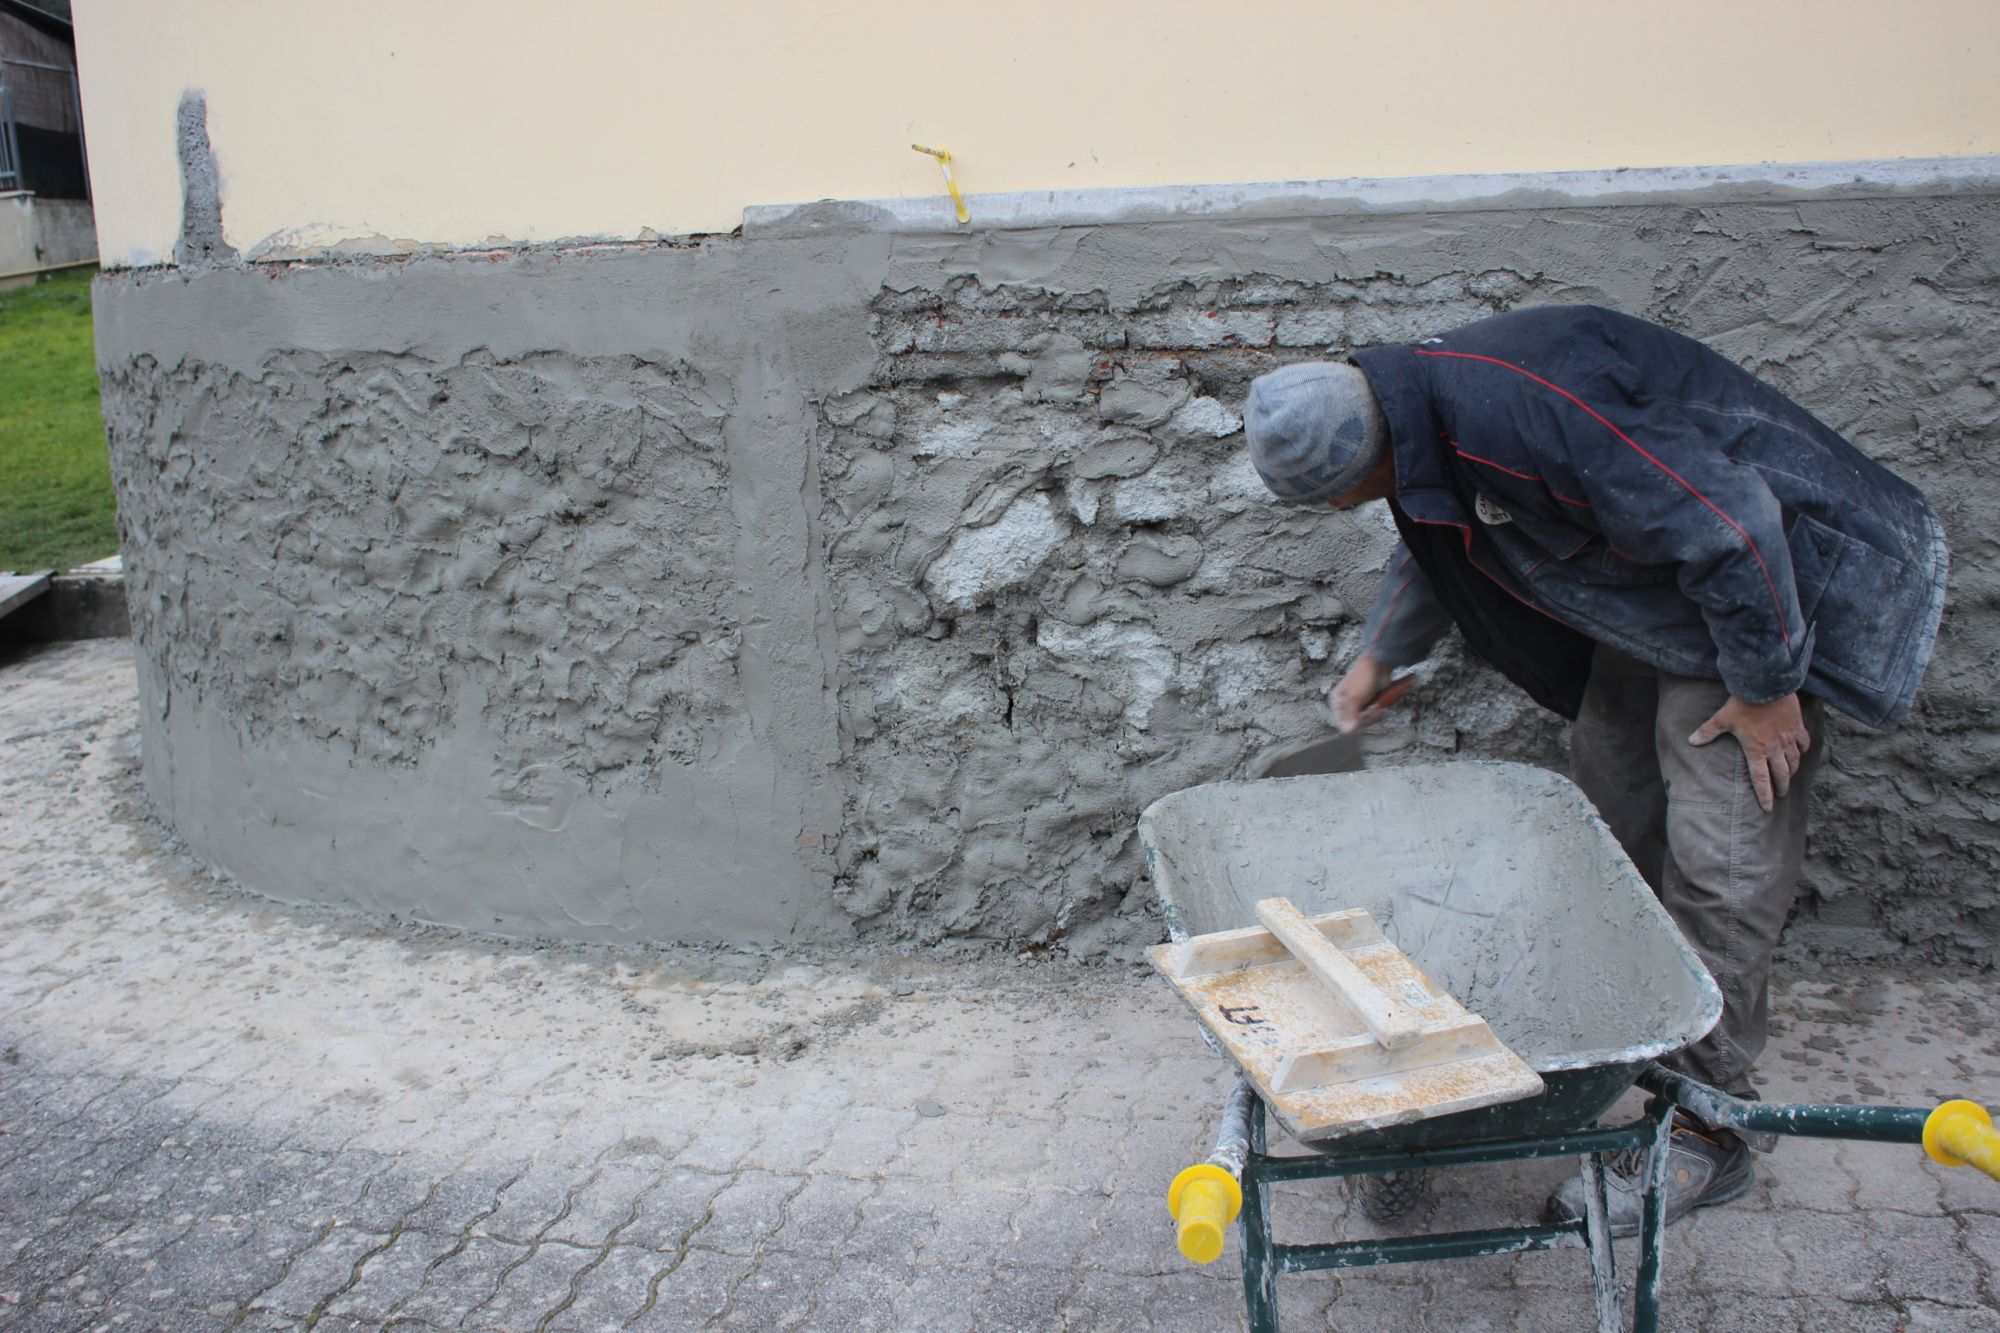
{"x":1115,"y":608}
{"x":1028,"y":580}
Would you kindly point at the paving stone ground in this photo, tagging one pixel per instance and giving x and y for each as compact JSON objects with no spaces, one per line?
{"x":218,"y":1112}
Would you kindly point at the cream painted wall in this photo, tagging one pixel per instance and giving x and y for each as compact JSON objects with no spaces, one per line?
{"x":450,"y":121}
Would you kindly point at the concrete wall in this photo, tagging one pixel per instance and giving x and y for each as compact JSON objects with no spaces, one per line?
{"x":65,"y":231}
{"x":40,"y":233}
{"x":849,"y":579}
{"x":382,"y":124}
{"x":17,"y":232}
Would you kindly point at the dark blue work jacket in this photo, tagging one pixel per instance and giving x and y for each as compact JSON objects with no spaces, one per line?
{"x":1568,"y":474}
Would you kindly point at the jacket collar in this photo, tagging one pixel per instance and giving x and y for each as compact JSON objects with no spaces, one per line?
{"x":1423,"y":472}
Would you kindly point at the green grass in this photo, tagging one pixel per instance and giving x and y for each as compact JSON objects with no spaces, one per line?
{"x":56,"y":507}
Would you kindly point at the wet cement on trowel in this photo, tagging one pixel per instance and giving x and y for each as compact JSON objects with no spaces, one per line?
{"x":836,"y":584}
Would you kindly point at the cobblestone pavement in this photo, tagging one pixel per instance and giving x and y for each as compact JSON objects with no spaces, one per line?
{"x":221,"y":1113}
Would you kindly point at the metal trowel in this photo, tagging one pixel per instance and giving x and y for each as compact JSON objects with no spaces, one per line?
{"x":1330,"y":752}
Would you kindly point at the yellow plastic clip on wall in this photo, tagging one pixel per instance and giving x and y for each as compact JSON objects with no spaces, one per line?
{"x":943,"y":155}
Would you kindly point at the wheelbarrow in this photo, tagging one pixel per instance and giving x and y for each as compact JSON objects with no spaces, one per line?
{"x":1503,"y":885}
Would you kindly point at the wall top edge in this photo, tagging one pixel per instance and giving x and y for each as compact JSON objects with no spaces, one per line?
{"x":1621,"y":187}
{"x":1618,"y":187}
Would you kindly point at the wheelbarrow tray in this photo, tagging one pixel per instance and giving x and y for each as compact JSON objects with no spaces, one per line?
{"x":1500,"y":882}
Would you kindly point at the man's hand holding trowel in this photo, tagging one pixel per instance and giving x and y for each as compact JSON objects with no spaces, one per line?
{"x":1360,"y":698}
{"x":1357,"y":700}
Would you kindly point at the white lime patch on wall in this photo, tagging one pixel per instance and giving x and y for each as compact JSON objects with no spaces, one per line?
{"x":1206,"y":416}
{"x":1153,"y":498}
{"x":1133,"y":652}
{"x":1237,"y":483}
{"x":1232,"y":672}
{"x":981,"y":561}
{"x":954,"y":438}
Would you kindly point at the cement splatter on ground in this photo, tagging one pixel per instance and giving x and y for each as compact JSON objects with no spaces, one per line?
{"x":221,"y":1113}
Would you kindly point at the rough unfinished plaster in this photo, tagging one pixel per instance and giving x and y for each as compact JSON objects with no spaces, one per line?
{"x":201,"y":240}
{"x":843,"y":582}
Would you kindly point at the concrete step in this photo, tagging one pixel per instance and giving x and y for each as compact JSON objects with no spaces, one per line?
{"x":17,"y":590}
{"x":87,"y":602}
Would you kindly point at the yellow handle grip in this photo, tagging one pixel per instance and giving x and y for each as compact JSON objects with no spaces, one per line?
{"x":1205,"y":1199}
{"x":1961,"y":1133}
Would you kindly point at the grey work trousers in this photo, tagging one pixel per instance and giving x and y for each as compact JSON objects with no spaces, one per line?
{"x":1688,"y":817}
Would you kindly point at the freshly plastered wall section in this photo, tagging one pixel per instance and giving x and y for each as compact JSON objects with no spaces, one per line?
{"x":482,"y":590}
{"x":839,"y":581}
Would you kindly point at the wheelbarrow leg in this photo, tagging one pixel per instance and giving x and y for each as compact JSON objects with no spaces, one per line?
{"x":1652,"y":1221}
{"x":1260,"y":1269}
{"x":1603,"y":1262}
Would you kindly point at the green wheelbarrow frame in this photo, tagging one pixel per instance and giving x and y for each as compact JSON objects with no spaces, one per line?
{"x":1503,"y":884}
{"x":1954,"y":1134}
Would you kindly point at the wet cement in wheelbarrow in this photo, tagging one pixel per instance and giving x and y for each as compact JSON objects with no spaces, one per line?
{"x":1499,"y":880}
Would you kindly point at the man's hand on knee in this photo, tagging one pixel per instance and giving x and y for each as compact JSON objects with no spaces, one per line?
{"x":1773,"y":737}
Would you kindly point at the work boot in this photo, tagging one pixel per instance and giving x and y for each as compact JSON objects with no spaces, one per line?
{"x":1703,"y":1167}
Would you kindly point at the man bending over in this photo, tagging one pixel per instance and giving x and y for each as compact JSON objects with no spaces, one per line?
{"x":1652,"y":542}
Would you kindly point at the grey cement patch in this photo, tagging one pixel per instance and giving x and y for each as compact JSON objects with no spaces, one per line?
{"x":201,"y":241}
{"x":851,"y":583}
{"x":1765,"y":182}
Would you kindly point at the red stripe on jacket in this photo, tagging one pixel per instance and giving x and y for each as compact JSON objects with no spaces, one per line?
{"x":1777,"y":602}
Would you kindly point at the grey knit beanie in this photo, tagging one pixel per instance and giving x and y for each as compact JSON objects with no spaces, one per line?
{"x":1314,"y":429}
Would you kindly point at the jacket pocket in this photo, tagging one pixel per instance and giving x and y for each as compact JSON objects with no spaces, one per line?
{"x":1856,"y":595}
{"x":1591,"y":562}
{"x":1607,"y":566}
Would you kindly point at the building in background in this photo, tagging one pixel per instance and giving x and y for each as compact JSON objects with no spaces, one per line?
{"x":539,"y":521}
{"x":45,"y":214}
